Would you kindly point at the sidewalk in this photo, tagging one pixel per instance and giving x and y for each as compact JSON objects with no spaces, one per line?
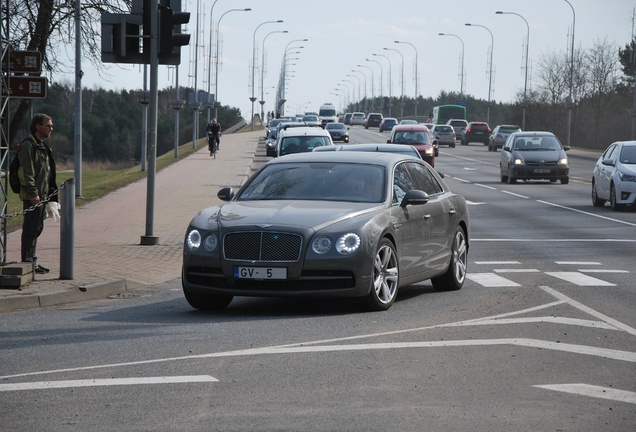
{"x":108,"y":256}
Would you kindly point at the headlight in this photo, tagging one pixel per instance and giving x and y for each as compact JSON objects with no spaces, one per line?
{"x":519,"y":161}
{"x":321,"y":245}
{"x":348,"y":243}
{"x":193,"y":240}
{"x":210,"y":242}
{"x":429,"y":151}
{"x":626,"y":177}
{"x":563,"y":161}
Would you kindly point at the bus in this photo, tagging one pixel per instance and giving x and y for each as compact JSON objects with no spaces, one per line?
{"x":443,"y":113}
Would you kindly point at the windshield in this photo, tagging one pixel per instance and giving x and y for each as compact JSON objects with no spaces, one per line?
{"x":628,"y":155}
{"x":537,"y":143}
{"x":302,"y":144}
{"x":411,"y":137}
{"x":327,"y":113}
{"x":318,"y":182}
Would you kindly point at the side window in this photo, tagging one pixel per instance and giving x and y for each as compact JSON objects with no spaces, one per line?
{"x":424,"y":179}
{"x":402,"y":183}
{"x":609,"y":152}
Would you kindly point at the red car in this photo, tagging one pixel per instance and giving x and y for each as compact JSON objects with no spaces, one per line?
{"x":417,"y":136}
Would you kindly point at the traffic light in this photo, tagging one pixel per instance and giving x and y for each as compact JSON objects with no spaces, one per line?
{"x":170,"y":37}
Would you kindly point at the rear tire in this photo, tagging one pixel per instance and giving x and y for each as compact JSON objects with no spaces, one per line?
{"x":565,"y":180}
{"x":455,"y":275}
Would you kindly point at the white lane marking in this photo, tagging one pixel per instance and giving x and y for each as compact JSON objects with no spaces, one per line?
{"x":561,"y":299}
{"x":515,"y":194}
{"x":589,"y":310}
{"x":547,"y":319}
{"x":579,"y":279}
{"x":515,"y":270}
{"x":497,"y":262}
{"x":491,"y":280}
{"x":517,"y":240}
{"x":577,"y":263}
{"x":105,"y":382}
{"x":593,"y":391}
{"x":474,"y":203}
{"x":587,"y":213}
{"x":602,"y":271}
{"x":461,"y":180}
{"x":485,"y":186}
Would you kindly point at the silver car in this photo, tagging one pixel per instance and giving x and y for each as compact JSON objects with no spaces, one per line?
{"x":614,"y":177}
{"x":445,"y":135}
{"x":499,"y":135}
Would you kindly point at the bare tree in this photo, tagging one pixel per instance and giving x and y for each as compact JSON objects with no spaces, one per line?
{"x":45,"y":25}
{"x":601,"y":63}
{"x":553,"y":84}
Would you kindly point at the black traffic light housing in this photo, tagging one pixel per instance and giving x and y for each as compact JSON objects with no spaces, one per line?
{"x":121,"y":33}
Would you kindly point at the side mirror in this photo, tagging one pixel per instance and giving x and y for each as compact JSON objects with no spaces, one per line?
{"x":225,"y":194}
{"x":388,"y":141}
{"x":608,"y":162}
{"x":566,"y":148}
{"x":414,"y":197}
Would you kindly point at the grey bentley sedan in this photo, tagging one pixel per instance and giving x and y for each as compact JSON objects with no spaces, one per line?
{"x":336,"y":224}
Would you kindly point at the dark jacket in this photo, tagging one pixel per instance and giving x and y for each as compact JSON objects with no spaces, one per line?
{"x":215,"y":129}
{"x":37,"y":170}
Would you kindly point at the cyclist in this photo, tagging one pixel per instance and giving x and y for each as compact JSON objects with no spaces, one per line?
{"x":214,"y":135}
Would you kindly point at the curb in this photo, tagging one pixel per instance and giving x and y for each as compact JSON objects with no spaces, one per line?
{"x":92,"y":291}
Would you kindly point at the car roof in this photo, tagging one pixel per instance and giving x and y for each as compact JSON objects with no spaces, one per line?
{"x":374,"y":147}
{"x":410,"y":127}
{"x":376,"y":158}
{"x":305,"y":130}
{"x":532,"y":133}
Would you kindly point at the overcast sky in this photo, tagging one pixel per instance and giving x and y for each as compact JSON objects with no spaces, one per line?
{"x":343,"y":34}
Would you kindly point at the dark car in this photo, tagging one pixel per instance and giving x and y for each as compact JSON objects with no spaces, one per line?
{"x":534,"y":156}
{"x":373,"y":120}
{"x":387,"y":124}
{"x":418,"y":136}
{"x":476,"y":132}
{"x":499,"y":135}
{"x":347,"y":119}
{"x":338,"y":131}
{"x":331,"y":223}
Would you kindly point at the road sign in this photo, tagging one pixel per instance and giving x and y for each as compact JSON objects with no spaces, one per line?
{"x":27,"y":88}
{"x":23,"y":62}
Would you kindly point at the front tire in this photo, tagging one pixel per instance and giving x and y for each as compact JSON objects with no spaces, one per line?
{"x":613,"y":203}
{"x":385,"y":278}
{"x":596,"y":201}
{"x":455,"y":275}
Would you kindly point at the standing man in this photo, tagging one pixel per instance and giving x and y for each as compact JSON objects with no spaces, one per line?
{"x":37,"y":185}
{"x":214,"y":135}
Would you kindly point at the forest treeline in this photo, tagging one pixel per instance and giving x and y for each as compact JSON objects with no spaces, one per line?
{"x":601,"y":85}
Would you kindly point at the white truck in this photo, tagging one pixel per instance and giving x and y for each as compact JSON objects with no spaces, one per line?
{"x":327,"y":113}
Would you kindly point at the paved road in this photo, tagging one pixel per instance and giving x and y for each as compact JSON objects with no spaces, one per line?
{"x":108,"y":254}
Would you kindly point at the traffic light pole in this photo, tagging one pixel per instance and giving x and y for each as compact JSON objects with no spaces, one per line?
{"x":149,"y":238}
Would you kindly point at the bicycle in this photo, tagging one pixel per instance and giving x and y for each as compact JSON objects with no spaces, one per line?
{"x":213,"y":144}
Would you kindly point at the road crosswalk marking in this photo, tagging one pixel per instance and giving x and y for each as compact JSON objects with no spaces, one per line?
{"x":580,"y":279}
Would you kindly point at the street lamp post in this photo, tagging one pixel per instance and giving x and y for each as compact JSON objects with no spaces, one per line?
{"x":211,"y":44}
{"x":262,"y":101}
{"x":359,"y":90}
{"x":390,"y":79}
{"x":381,"y":79}
{"x":216,"y":64}
{"x":280,"y":95}
{"x":570,"y":98}
{"x":365,"y":87}
{"x":525,"y":85}
{"x":415,"y":49}
{"x":461,"y":73}
{"x":401,"y":80}
{"x":492,"y":47}
{"x":253,"y":98}
{"x":372,"y":88}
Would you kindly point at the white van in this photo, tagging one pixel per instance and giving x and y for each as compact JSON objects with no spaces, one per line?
{"x":327,"y":114}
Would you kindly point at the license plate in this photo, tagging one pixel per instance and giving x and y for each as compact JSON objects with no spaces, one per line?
{"x":260,"y":273}
{"x":542,"y":171}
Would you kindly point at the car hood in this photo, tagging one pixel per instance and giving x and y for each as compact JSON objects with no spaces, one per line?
{"x":311,"y":214}
{"x":539,"y":155}
{"x":629,"y":169}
